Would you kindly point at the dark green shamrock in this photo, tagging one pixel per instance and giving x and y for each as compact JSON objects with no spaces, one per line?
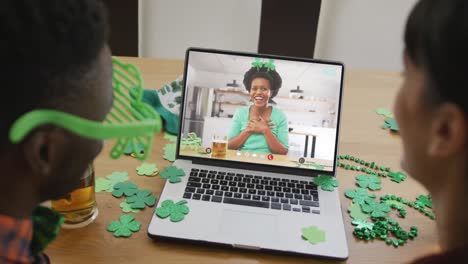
{"x":257,"y":64}
{"x":269,"y":65}
{"x":391,"y":123}
{"x":141,"y":199}
{"x":372,"y":182}
{"x":397,"y":176}
{"x":127,"y":188}
{"x":124,"y":227}
{"x":173,"y":174}
{"x":176,"y":211}
{"x":359,"y":196}
{"x":313,"y":234}
{"x":424,"y":200}
{"x":327,"y":183}
{"x":376,"y":209}
{"x":360,"y":223}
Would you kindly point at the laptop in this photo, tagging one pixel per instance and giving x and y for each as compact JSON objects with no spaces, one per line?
{"x":250,"y":155}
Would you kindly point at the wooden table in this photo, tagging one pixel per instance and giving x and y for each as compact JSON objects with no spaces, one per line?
{"x":361,"y":136}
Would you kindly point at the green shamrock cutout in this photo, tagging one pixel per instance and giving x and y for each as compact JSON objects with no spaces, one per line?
{"x":127,"y":188}
{"x":124,"y":227}
{"x":117,"y":176}
{"x":313,"y":234}
{"x":397,"y":176}
{"x":269,"y":65}
{"x":170,"y":152}
{"x":376,"y":209}
{"x":390,"y":123}
{"x":424,"y":200}
{"x":126,"y":208}
{"x":359,"y":196}
{"x":176,"y":211}
{"x":372,"y":182}
{"x":171,"y":138}
{"x":172,"y":173}
{"x":327,"y":183}
{"x":359,"y":223}
{"x":147,"y":169}
{"x":383,"y":111}
{"x":356,"y":212}
{"x":141,"y":199}
{"x":103,"y":185}
{"x":257,"y":64}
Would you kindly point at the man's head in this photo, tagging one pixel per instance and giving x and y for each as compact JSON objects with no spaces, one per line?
{"x":54,"y":56}
{"x":432,"y":107}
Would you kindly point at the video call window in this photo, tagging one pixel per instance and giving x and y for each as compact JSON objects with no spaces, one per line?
{"x":260,"y":110}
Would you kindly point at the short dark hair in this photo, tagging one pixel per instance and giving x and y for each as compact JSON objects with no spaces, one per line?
{"x":436,"y":39}
{"x":47,"y":47}
{"x":272,"y":76}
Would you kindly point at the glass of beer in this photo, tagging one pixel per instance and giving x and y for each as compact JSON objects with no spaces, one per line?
{"x":219,"y":147}
{"x":79,"y":207}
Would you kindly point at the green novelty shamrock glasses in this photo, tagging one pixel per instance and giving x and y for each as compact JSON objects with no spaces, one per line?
{"x":130,"y":121}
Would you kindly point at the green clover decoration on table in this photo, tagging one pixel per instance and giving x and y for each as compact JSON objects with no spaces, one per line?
{"x":397,"y":176}
{"x":327,"y":183}
{"x":127,"y":188}
{"x":372,"y":182}
{"x":107,"y":184}
{"x":384,"y":111}
{"x":173,"y":174}
{"x":376,"y":209}
{"x":141,"y":199}
{"x":360,"y":223}
{"x":424,"y":201}
{"x":147,"y":169}
{"x":356,"y":213}
{"x":170,"y":152}
{"x":391,"y":123}
{"x":176,"y":211}
{"x":359,"y":195}
{"x":313,"y":234}
{"x":126,"y":208}
{"x":124,"y":227}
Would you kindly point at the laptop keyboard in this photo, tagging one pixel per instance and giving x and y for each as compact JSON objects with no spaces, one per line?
{"x":249,"y":190}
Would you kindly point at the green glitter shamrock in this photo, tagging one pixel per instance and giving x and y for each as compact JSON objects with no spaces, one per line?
{"x":372,"y":182}
{"x":326,"y":182}
{"x":359,"y":196}
{"x":257,"y":64}
{"x":176,"y":211}
{"x":103,"y":185}
{"x":383,"y":111}
{"x":170,"y":152}
{"x":376,"y":209}
{"x":360,"y":223}
{"x":147,"y":169}
{"x":124,"y":227}
{"x":313,"y":234}
{"x":397,"y":176}
{"x":172,"y":173}
{"x":269,"y":65}
{"x":390,"y":122}
{"x":126,"y":208}
{"x":117,"y":176}
{"x":127,"y":188}
{"x":356,"y":213}
{"x":424,"y":200}
{"x":141,"y":199}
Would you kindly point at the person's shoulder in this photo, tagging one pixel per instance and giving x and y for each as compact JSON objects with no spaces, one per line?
{"x":278,"y":112}
{"x":243,"y":110}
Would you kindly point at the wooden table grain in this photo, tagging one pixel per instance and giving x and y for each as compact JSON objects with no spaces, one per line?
{"x":361,"y":135}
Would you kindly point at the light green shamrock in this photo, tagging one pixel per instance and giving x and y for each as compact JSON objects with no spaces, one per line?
{"x":147,"y":169}
{"x":372,"y":182}
{"x":327,"y":183}
{"x":313,"y":234}
{"x":126,"y":208}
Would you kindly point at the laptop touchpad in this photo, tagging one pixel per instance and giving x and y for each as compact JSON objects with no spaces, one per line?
{"x":250,"y":229}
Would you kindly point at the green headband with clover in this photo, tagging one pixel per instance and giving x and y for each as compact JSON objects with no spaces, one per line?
{"x":269,"y":65}
{"x":130,"y":121}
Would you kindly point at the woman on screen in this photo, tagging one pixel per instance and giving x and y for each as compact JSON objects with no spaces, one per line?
{"x":260,"y":127}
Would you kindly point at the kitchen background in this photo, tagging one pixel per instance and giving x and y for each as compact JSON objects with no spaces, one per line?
{"x":308,"y":96}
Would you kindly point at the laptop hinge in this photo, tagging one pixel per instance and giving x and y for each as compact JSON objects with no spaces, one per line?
{"x":245,"y":247}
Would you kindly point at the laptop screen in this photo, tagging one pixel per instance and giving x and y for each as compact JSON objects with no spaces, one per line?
{"x":263,"y":110}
